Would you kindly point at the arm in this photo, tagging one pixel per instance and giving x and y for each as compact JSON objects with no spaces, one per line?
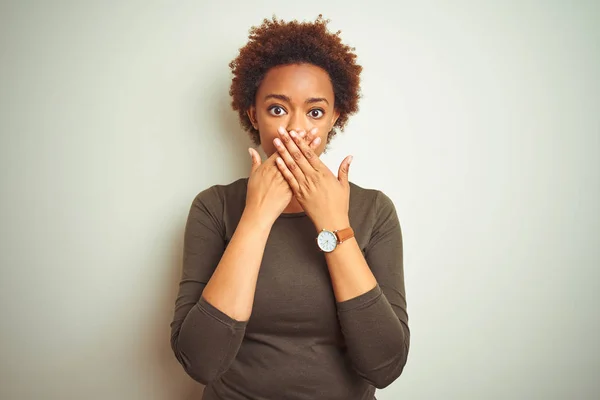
{"x":374,"y":322}
{"x":213,"y":304}
{"x":370,"y":289}
{"x":349,"y":271}
{"x":218,"y":281}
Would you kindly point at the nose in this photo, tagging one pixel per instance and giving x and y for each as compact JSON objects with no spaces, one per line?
{"x":298,"y":122}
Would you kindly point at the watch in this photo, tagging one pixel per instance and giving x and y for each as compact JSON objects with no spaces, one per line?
{"x":329,"y":240}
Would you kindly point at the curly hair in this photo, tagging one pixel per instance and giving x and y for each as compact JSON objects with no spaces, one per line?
{"x":276,"y":42}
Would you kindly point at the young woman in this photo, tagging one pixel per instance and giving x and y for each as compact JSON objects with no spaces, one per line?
{"x":292,"y":283}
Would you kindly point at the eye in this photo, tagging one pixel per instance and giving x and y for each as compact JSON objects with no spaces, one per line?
{"x":316,"y":113}
{"x":276,"y":111}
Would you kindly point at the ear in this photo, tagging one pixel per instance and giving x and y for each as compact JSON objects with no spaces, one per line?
{"x":336,"y":115}
{"x":251,"y":112}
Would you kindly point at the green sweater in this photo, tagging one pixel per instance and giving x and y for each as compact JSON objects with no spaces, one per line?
{"x":299,"y":343}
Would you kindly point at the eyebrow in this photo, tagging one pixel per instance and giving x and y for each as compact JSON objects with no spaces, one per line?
{"x":286,"y":98}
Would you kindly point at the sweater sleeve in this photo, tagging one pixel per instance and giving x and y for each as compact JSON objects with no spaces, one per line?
{"x":205,"y":340}
{"x":375,"y":324}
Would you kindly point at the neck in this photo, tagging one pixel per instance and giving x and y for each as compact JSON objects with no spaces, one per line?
{"x":293,"y":206}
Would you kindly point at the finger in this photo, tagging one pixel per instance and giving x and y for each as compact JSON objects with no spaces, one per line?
{"x":271,"y":159}
{"x":307,"y":136}
{"x":307,"y":151}
{"x":292,"y":141}
{"x":344,"y":169}
{"x":313,"y":141}
{"x":287,"y":175}
{"x":287,"y":158}
{"x":291,"y":154}
{"x":314,"y":145}
{"x":256,"y":161}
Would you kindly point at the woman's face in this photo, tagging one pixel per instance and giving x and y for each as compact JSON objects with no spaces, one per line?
{"x":297,"y":97}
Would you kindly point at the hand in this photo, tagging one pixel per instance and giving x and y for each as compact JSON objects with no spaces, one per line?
{"x":268,"y":193}
{"x":323,"y":196}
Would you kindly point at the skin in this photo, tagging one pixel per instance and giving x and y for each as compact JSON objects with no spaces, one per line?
{"x":296,"y":97}
{"x":294,"y":110}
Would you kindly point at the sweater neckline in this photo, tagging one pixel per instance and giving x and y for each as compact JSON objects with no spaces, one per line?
{"x":293,"y":215}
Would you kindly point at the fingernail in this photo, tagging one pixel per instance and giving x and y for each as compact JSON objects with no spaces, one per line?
{"x":317,"y":141}
{"x":302,"y":134}
{"x":250,"y":152}
{"x":277,"y":142}
{"x":350,"y":160}
{"x":293,"y":134}
{"x":281,"y":130}
{"x":314,"y":131}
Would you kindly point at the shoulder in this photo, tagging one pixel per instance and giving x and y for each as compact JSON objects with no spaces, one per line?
{"x":372,"y":214}
{"x":217,"y":196}
{"x":221,"y":204}
{"x":372,"y":201}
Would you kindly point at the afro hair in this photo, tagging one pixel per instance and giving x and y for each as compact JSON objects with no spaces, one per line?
{"x":276,"y":42}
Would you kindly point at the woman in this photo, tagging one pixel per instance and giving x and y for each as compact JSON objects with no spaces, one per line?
{"x":264,"y":311}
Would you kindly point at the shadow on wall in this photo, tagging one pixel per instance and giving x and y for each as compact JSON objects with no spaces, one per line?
{"x":236,"y":162}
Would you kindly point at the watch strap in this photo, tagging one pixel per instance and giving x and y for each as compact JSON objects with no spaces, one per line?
{"x":344,"y":234}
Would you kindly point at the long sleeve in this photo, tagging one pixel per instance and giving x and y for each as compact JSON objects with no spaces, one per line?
{"x":375,"y":324}
{"x":204,"y":340}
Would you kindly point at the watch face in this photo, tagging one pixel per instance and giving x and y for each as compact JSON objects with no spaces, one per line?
{"x":327,"y":241}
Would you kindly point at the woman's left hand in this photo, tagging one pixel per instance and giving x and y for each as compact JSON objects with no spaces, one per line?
{"x":324,"y":197}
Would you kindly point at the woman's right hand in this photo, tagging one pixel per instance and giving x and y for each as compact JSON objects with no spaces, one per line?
{"x":268,"y":192}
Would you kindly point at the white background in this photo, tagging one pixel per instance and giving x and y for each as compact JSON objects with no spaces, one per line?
{"x":481,"y":120}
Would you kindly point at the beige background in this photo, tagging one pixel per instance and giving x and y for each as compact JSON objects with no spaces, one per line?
{"x":481,"y":120}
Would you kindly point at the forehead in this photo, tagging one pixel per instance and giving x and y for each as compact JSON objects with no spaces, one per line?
{"x":297,"y":81}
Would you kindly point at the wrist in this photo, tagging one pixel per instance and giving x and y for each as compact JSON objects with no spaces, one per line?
{"x":332,"y":223}
{"x":257,"y":219}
